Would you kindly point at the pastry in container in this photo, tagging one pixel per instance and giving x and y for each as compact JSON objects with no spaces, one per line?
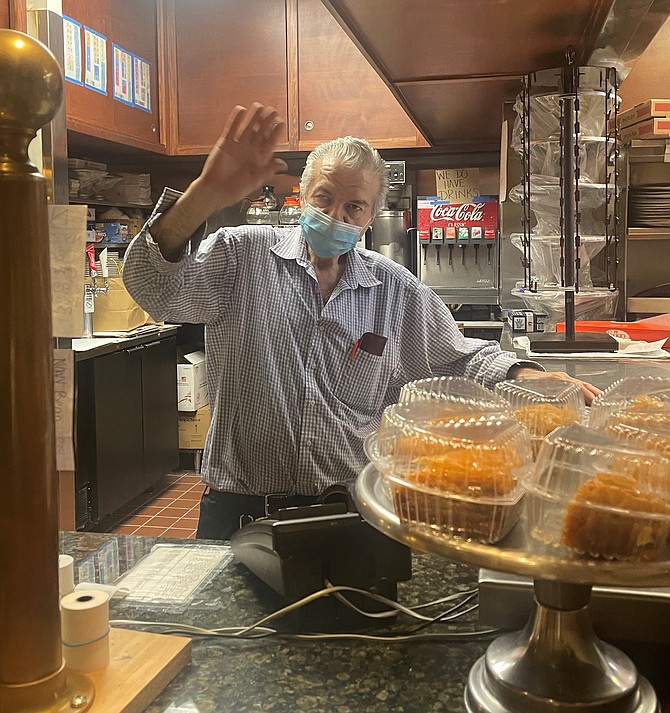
{"x":543,"y":404}
{"x":597,"y":497}
{"x":453,"y":467}
{"x":452,"y":389}
{"x":633,"y":393}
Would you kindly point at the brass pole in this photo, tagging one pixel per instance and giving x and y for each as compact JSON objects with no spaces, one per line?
{"x":32,"y":677}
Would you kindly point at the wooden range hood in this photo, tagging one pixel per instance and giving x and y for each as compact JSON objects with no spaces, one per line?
{"x":452,"y":63}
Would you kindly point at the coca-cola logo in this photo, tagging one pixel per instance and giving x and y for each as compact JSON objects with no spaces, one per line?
{"x":467,"y":211}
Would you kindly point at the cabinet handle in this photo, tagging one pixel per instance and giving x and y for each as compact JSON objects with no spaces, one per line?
{"x":309,"y":125}
{"x":154,"y":128}
{"x":134,"y":349}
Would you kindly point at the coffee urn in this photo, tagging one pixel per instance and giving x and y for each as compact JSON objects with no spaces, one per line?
{"x":390,"y":236}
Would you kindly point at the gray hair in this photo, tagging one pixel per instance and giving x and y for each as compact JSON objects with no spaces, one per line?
{"x":351,"y":153}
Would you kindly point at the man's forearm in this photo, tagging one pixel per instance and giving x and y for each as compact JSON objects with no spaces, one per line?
{"x":173,"y":229}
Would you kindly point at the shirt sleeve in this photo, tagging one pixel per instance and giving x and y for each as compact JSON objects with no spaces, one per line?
{"x":432,"y":345}
{"x":194,"y":289}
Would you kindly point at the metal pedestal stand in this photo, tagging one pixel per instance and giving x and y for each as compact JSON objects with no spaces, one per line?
{"x":556,"y":664}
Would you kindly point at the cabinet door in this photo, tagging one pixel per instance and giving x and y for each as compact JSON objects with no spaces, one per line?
{"x":340,"y":94}
{"x":227,"y":54}
{"x":159,"y":409}
{"x":4,"y":13}
{"x":130,"y":24}
{"x":119,"y":475}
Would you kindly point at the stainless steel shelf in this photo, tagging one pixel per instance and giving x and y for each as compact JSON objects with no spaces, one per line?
{"x":648,"y":233}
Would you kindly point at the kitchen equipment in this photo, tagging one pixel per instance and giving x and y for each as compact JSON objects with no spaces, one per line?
{"x":262,"y":211}
{"x":390,"y":237}
{"x":457,"y":249}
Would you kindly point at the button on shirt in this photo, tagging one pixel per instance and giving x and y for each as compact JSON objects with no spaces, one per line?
{"x":291,"y":400}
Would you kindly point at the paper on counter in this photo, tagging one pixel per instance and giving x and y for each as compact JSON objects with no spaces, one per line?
{"x":67,"y":243}
{"x":628,"y":349}
{"x":63,"y":361}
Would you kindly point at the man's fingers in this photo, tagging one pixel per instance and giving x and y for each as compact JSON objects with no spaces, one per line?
{"x":251,"y":123}
{"x":237,"y":116}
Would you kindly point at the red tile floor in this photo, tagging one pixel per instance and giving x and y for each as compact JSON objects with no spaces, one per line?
{"x":169,"y":510}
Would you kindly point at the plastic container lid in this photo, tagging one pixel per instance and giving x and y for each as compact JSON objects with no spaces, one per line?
{"x":599,"y":497}
{"x":650,"y":393}
{"x":543,"y":404}
{"x":452,"y":389}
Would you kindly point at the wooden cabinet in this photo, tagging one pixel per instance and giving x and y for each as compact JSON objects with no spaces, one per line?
{"x":4,"y":13}
{"x":132,"y":25}
{"x":242,"y":60}
{"x":339,"y":92}
{"x":292,"y":55}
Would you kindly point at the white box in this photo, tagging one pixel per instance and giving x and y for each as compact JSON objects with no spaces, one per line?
{"x":192,"y":382}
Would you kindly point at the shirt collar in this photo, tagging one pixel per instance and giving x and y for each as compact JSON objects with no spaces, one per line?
{"x":356,"y":274}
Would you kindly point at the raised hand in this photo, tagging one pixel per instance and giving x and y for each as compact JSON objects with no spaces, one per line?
{"x":243,"y":157}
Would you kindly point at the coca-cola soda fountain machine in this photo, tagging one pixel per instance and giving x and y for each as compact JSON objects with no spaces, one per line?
{"x":457,"y":249}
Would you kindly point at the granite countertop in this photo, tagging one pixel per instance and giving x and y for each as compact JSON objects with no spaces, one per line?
{"x":282,"y":675}
{"x":290,"y":676}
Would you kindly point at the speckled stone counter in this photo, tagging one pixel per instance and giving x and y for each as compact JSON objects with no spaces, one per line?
{"x":276,"y":675}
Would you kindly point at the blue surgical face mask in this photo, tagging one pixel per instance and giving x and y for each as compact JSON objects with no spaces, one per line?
{"x":325,"y":235}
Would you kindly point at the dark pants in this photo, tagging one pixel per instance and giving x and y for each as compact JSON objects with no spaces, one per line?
{"x":223,"y":513}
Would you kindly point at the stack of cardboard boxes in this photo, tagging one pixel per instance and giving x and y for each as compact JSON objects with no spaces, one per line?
{"x":192,"y":401}
{"x":648,"y":120}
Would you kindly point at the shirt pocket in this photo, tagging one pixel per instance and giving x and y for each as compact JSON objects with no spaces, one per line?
{"x":363,"y":382}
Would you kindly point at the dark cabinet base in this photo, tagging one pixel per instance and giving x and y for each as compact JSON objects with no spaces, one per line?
{"x":127,"y":428}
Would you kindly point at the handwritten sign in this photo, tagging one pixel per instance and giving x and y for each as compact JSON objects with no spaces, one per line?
{"x":63,"y":361}
{"x":459,"y":185}
{"x":67,"y":242}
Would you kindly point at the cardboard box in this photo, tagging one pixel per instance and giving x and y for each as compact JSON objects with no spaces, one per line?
{"x":192,"y":382}
{"x":114,"y":232}
{"x":193,"y":427}
{"x":645,"y":110}
{"x":650,"y":129}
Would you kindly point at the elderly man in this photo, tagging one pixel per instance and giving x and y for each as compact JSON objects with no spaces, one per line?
{"x":308,"y":338}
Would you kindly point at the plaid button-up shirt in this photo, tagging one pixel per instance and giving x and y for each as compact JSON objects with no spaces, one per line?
{"x":290,"y":406}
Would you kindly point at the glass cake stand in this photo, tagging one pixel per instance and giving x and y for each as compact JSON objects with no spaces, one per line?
{"x":556,"y":664}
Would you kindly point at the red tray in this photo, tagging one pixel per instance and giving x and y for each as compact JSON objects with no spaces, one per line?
{"x":634,"y":330}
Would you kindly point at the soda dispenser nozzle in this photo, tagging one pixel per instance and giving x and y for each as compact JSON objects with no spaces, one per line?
{"x":463,"y":238}
{"x":437,"y":239}
{"x":476,"y":239}
{"x":489,"y":239}
{"x":450,"y":240}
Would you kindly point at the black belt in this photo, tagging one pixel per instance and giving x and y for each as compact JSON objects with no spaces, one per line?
{"x":255,"y":506}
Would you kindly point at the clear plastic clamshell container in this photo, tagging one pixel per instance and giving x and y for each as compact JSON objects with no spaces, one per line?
{"x":543,"y":404}
{"x":633,"y":393}
{"x":593,"y":496}
{"x":452,"y":389}
{"x":452,"y":466}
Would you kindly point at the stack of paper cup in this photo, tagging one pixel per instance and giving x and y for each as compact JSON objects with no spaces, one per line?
{"x":65,"y":575}
{"x":85,"y":630}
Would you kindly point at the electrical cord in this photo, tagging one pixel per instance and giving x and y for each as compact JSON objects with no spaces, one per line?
{"x":259,"y":630}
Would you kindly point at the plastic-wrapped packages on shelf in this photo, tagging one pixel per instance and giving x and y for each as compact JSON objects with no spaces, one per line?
{"x":545,"y":111}
{"x":545,"y":204}
{"x":596,"y":156}
{"x":598,"y":497}
{"x":452,"y":467}
{"x":542,"y":405}
{"x":545,"y":257}
{"x":594,"y":304}
{"x":647,"y":394}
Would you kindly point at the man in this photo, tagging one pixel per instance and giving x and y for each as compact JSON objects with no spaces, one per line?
{"x":307,"y":338}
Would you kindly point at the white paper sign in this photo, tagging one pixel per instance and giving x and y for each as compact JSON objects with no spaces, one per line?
{"x":458,"y":185}
{"x":122,"y":72}
{"x":63,"y":362}
{"x":142,"y":82}
{"x":67,"y":244}
{"x":96,"y":60}
{"x":72,"y":50}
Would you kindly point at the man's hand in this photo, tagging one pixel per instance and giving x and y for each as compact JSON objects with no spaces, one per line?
{"x":241,"y":161}
{"x":589,"y":391}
